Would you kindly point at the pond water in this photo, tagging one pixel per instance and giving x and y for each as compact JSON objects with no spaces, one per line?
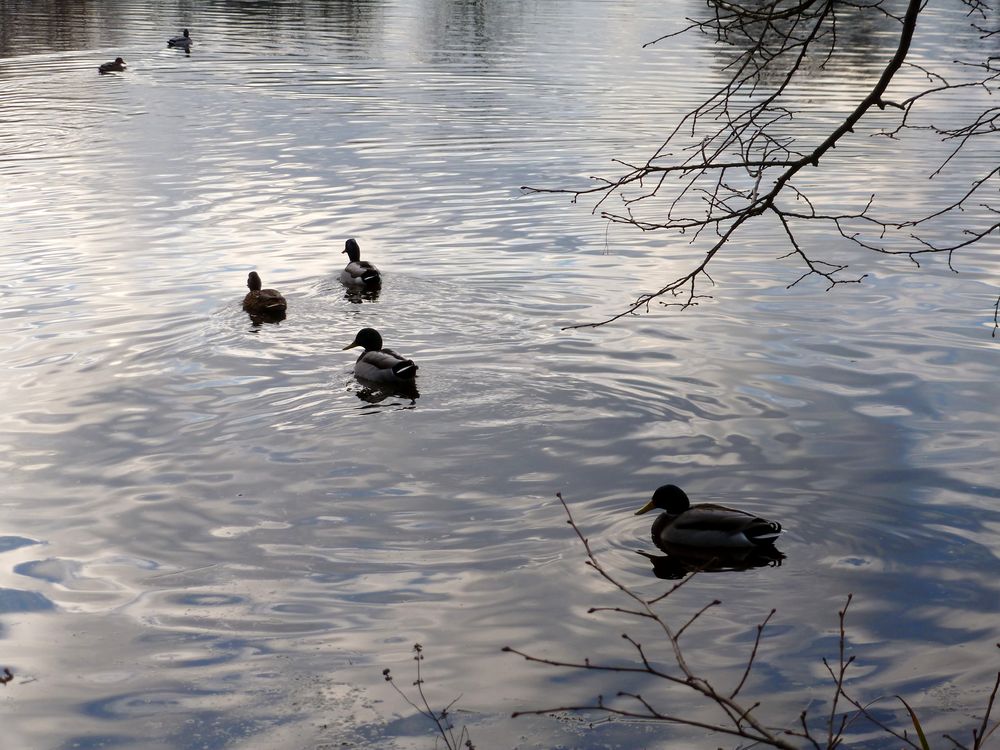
{"x":212,"y":536}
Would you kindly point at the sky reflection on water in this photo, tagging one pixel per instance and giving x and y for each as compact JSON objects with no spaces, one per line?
{"x":211,"y":538}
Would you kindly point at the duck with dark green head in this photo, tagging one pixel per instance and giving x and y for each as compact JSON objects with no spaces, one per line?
{"x":264,"y":302}
{"x":359,"y":274}
{"x":705,"y":525}
{"x":378,"y":365}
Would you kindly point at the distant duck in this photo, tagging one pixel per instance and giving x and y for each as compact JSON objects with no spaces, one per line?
{"x":378,"y":365}
{"x":116,"y":66}
{"x":359,"y":273}
{"x":263,"y":301}
{"x":705,"y":525}
{"x":183,"y":41}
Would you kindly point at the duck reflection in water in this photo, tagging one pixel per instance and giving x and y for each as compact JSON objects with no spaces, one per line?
{"x":681,"y":561}
{"x":358,"y":296}
{"x":374,"y":393}
{"x":263,"y":318}
{"x":707,"y":537}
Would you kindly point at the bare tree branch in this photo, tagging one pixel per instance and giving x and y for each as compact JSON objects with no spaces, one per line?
{"x":736,"y":156}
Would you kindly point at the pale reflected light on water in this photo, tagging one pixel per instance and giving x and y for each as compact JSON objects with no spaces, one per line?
{"x":211,"y":535}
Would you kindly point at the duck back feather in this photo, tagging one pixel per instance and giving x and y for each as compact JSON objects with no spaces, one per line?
{"x":708,"y":525}
{"x":385,"y":366}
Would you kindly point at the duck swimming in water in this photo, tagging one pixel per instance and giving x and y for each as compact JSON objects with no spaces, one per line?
{"x":378,"y":365}
{"x":705,"y":525}
{"x":115,"y":66}
{"x":358,"y":273}
{"x":182,"y":42}
{"x":263,"y":301}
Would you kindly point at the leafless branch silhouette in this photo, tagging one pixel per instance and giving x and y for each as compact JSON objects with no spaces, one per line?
{"x":737,"y":155}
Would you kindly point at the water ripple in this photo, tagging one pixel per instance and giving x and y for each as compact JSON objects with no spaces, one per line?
{"x":210,"y":521}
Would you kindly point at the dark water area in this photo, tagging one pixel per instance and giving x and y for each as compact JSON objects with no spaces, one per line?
{"x":212,"y":536}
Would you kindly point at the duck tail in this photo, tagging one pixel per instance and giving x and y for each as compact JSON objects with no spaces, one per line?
{"x":372,"y":278}
{"x":763,"y":533}
{"x":405,"y":370}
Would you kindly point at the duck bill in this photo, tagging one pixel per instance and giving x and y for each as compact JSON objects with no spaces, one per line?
{"x":350,"y":346}
{"x":645,"y":508}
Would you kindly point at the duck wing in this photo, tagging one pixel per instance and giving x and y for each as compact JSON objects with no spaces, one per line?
{"x":360,"y":272}
{"x":707,"y":516}
{"x":383,"y":360}
{"x":716,"y":525}
{"x":385,"y":366}
{"x":404,"y":368}
{"x":271,"y":298}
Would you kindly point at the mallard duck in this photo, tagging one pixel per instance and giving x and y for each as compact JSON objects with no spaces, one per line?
{"x":359,"y":273}
{"x":183,"y":41}
{"x":262,"y":301}
{"x":705,"y":525}
{"x":116,"y":66}
{"x":378,"y":365}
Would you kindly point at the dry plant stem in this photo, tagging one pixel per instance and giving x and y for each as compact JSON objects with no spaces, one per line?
{"x":442,"y":723}
{"x":753,"y":654}
{"x":738,"y":139}
{"x":978,"y":734}
{"x":839,"y":679}
{"x":984,"y":731}
{"x":742,"y":722}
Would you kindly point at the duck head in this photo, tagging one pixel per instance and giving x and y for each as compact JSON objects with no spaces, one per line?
{"x":353,"y":250}
{"x":368,"y":338}
{"x":669,"y":498}
{"x":253,"y":282}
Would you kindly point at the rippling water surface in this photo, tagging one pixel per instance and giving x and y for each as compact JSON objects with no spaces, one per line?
{"x":212,"y":536}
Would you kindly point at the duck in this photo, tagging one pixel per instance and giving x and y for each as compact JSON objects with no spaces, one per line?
{"x":705,"y":525}
{"x":378,"y":365}
{"x":116,"y":66}
{"x":357,"y":272}
{"x":183,"y":41}
{"x":262,"y":301}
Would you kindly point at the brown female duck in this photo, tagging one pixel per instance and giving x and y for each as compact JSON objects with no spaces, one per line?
{"x":263,"y":301}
